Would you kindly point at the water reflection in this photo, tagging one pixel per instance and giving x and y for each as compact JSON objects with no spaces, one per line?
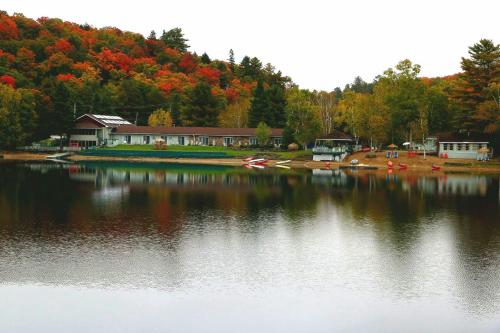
{"x":190,"y":229}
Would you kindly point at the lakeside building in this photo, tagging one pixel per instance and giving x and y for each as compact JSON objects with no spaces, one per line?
{"x":334,"y":147}
{"x":102,"y":130}
{"x":464,"y":146}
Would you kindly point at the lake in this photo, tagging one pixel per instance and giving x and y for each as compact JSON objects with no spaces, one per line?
{"x":124,"y":247}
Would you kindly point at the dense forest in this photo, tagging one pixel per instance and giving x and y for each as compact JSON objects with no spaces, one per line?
{"x":52,"y":71}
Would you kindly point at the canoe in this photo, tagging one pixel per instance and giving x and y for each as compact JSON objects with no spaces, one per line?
{"x":283,"y":162}
{"x":256,"y":160}
{"x":257,"y":166}
{"x":262,"y":161}
{"x":436,"y":168}
{"x":283,"y":166}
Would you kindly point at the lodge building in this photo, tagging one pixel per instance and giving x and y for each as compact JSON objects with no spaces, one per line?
{"x":103,"y":130}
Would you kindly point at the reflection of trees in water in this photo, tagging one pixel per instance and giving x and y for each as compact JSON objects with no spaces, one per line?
{"x":401,"y":211}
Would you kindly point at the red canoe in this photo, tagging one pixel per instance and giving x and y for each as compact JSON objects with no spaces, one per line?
{"x":436,"y":168}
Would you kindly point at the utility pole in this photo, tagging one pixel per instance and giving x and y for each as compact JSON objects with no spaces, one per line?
{"x":74,"y":110}
{"x":136,"y":116}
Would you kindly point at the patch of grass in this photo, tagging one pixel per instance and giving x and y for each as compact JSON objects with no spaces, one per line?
{"x":230,"y":151}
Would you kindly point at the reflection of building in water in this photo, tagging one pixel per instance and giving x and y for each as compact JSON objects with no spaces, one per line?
{"x":454,"y":184}
{"x":463,"y":185}
{"x":335,"y":177}
{"x":108,"y":177}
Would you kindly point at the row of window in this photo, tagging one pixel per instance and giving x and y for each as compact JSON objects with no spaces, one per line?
{"x":463,"y":146}
{"x":203,"y":140}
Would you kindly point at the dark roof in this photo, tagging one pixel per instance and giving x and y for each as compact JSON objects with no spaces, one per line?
{"x":338,"y":135}
{"x":208,"y":131}
{"x":462,"y":137}
{"x":105,"y":120}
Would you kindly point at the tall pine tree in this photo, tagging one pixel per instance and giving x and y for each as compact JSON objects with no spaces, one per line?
{"x":260,"y":108}
{"x":203,"y":108}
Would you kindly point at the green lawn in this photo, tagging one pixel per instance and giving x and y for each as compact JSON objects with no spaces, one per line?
{"x":235,"y":152}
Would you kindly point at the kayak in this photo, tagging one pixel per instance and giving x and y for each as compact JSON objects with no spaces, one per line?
{"x":257,"y":161}
{"x":284,"y":162}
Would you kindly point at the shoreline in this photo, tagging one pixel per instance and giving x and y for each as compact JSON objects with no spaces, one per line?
{"x":417,"y":164}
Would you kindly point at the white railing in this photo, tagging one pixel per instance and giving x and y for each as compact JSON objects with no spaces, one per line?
{"x":328,"y":150}
{"x":48,"y":149}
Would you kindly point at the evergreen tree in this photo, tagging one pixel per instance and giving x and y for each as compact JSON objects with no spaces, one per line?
{"x":205,"y":59}
{"x":338,"y":92}
{"x":174,"y":38}
{"x":175,"y":109}
{"x":360,"y":86}
{"x":250,"y":69}
{"x":203,"y":108}
{"x":260,"y":107}
{"x":481,"y":71}
{"x":62,"y":116}
{"x":231,"y":60}
{"x":277,"y":104}
{"x":152,"y":35}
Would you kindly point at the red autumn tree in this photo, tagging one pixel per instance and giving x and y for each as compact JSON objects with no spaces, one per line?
{"x":187,"y":63}
{"x":65,"y":77}
{"x":8,"y":28}
{"x":209,"y":74}
{"x":9,"y":80}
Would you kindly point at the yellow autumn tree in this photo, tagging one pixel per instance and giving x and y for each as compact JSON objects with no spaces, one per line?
{"x":160,"y":117}
{"x":236,"y":114}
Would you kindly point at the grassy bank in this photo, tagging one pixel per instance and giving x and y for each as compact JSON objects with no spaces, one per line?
{"x":229,"y":151}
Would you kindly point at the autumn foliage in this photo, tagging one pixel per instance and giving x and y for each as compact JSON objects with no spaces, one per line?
{"x":9,"y":80}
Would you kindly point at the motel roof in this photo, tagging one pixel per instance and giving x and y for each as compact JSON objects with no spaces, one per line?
{"x":192,"y":131}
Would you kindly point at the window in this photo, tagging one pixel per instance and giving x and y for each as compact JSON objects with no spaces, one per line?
{"x":228,"y":141}
{"x":459,"y":146}
{"x":128,"y":139}
{"x":204,"y":140}
{"x":467,"y":146}
{"x":277,"y":141}
{"x":445,"y":146}
{"x":146,"y":139}
{"x":181,"y":140}
{"x":254,"y":141}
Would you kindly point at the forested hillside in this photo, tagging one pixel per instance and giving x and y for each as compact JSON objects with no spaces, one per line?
{"x":52,"y":71}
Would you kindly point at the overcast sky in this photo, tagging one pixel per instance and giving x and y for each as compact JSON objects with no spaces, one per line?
{"x":320,"y":44}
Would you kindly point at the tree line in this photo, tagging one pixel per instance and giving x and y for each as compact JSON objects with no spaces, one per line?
{"x":52,"y":71}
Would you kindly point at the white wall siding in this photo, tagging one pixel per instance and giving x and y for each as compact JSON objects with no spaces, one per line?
{"x":451,"y":149}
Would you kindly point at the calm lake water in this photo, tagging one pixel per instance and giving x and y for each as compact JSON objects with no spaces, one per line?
{"x":179,"y":248}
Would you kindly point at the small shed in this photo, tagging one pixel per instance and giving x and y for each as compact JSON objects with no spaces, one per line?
{"x":473,"y":146}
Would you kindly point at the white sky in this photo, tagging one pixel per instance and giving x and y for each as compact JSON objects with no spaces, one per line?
{"x":320,"y":44}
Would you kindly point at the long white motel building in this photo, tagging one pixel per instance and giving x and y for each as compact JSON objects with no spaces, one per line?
{"x":93,"y":130}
